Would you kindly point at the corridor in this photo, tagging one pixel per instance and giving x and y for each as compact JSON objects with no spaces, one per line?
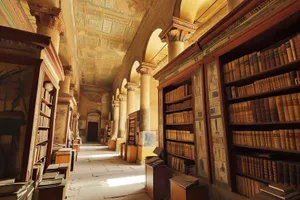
{"x":101,"y":174}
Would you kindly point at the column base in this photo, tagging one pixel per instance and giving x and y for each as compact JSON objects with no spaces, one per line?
{"x":118,"y":144}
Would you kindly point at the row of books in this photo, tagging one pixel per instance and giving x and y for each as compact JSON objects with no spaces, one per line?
{"x":285,"y":52}
{"x":264,"y":85}
{"x":180,"y":135}
{"x":258,"y":166}
{"x":180,"y":149}
{"x":180,"y":117}
{"x":177,"y":106}
{"x":278,"y":139}
{"x":44,"y":121}
{"x":40,"y":152}
{"x":45,"y":109}
{"x":178,"y":93}
{"x":47,"y":95}
{"x":247,"y":187}
{"x":289,"y":173}
{"x":42,"y":136}
{"x":181,"y":166}
{"x":283,"y":108}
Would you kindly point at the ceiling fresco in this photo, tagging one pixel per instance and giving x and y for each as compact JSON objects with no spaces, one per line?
{"x":105,"y":29}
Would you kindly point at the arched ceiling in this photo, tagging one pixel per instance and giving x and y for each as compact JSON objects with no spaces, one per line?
{"x":105,"y":29}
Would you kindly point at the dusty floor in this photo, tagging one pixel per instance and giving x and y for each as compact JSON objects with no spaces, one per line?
{"x":101,"y":174}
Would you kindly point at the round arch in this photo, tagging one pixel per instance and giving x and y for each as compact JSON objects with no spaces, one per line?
{"x":134,"y":75}
{"x":154,"y":46}
{"x":123,"y":89}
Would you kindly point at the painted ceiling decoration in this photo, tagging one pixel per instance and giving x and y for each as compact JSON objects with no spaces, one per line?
{"x":104,"y":30}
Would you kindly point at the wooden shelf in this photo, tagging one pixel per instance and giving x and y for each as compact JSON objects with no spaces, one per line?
{"x":282,"y":91}
{"x":182,"y":157}
{"x":44,"y":127}
{"x":265,"y":74}
{"x":253,"y":178}
{"x":180,"y":124}
{"x":180,"y":100}
{"x":46,"y":102}
{"x":182,"y":141}
{"x":44,"y":114}
{"x":43,"y":142}
{"x":181,"y":109}
{"x":267,"y":149}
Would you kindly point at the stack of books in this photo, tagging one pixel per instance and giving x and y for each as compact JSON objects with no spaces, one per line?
{"x":277,"y":192}
{"x":51,"y":179}
{"x":16,"y":191}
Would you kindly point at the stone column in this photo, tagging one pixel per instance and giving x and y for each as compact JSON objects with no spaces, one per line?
{"x":137,"y":98}
{"x":49,"y":19}
{"x":145,"y":70}
{"x":123,"y":115}
{"x":116,"y":108}
{"x":105,"y":109}
{"x":175,"y":35}
{"x":131,"y":98}
{"x":233,"y":3}
{"x":65,"y":85}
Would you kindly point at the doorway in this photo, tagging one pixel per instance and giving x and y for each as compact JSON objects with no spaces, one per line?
{"x":92,"y":132}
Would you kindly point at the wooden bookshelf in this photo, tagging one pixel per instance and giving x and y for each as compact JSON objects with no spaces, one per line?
{"x":178,"y":125}
{"x":274,"y":75}
{"x":131,"y":149}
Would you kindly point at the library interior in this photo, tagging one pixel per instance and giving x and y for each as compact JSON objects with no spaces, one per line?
{"x":149,"y":99}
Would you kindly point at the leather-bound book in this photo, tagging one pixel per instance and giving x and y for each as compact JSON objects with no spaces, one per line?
{"x":267,"y":110}
{"x":267,"y":59}
{"x":259,"y":61}
{"x":270,"y":170}
{"x":293,"y":175}
{"x":292,"y":139}
{"x":242,"y":67}
{"x":286,"y":173}
{"x":274,"y":171}
{"x":287,"y":140}
{"x":296,"y":106}
{"x":290,"y":106}
{"x":247,"y":65}
{"x":293,"y":49}
{"x":280,"y":109}
{"x":296,"y":42}
{"x":276,"y":57}
{"x":284,"y":53}
{"x":289,"y":51}
{"x":272,"y":58}
{"x":265,"y":169}
{"x":263,"y":110}
{"x":270,"y":139}
{"x":273,"y":109}
{"x":282,"y":139}
{"x":255,"y":62}
{"x":297,"y":139}
{"x":281,"y":57}
{"x":237,"y":68}
{"x":280,"y":172}
{"x":298,"y":175}
{"x":276,"y":139}
{"x":285,"y":107}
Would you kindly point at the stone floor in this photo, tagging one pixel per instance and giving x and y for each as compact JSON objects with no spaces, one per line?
{"x":101,"y":174}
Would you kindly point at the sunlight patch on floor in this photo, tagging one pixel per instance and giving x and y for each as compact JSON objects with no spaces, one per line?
{"x":99,"y":156}
{"x":93,"y":147}
{"x":114,"y":182}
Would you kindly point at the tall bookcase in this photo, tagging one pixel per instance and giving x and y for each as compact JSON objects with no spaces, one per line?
{"x":261,"y":88}
{"x":179,"y":138}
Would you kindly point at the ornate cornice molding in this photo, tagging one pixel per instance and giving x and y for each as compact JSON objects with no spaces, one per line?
{"x":146,"y":68}
{"x":178,"y":30}
{"x":49,"y":17}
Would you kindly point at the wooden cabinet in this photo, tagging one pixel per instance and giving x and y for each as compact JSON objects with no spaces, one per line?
{"x":131,"y":153}
{"x":179,"y":192}
{"x":28,"y":94}
{"x":132,"y":137}
{"x":157,"y":179}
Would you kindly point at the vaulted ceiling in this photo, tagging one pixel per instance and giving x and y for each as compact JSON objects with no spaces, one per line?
{"x":104,"y":31}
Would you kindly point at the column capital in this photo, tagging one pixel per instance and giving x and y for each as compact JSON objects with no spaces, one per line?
{"x":48,"y":17}
{"x":146,"y":68}
{"x":116,"y":103}
{"x":178,"y":30}
{"x":131,"y":86}
{"x":122,"y":97}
